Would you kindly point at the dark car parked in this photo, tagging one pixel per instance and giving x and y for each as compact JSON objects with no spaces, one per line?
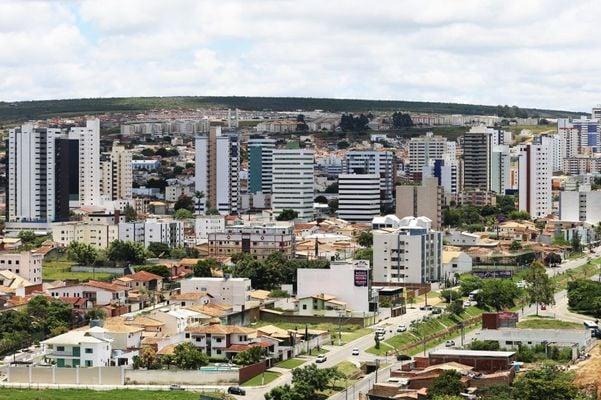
{"x":236,"y":390}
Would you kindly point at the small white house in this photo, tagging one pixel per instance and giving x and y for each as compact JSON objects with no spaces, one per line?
{"x":455,"y":262}
{"x":90,"y":348}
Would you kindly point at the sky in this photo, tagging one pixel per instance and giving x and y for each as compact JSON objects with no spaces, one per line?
{"x":531,"y":53}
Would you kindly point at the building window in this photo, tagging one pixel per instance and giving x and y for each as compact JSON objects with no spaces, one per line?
{"x":218,"y":340}
{"x":60,"y":348}
{"x":89,"y":351}
{"x":88,"y":363}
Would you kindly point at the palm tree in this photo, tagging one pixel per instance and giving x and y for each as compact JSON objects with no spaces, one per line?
{"x":198,"y":195}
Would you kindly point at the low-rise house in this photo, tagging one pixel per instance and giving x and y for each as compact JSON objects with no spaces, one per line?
{"x":228,"y":291}
{"x":143,"y":279}
{"x":26,"y":264}
{"x":100,"y":293}
{"x":89,"y":348}
{"x":320,"y":304}
{"x":124,"y":337}
{"x":177,"y":320}
{"x":219,"y":340}
{"x":455,"y":262}
{"x":190,"y":299}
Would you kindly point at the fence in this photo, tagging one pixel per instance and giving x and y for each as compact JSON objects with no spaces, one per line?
{"x":74,"y":376}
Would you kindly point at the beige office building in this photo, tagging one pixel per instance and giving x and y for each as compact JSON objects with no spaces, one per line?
{"x":425,"y":200}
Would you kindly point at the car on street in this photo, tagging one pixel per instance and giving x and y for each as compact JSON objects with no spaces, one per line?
{"x":355,"y":352}
{"x":450,"y":343}
{"x":176,"y":387}
{"x":401,"y":328}
{"x":403,"y":357}
{"x":426,"y":308}
{"x":321,"y":358}
{"x":436,"y":310}
{"x":236,"y":390}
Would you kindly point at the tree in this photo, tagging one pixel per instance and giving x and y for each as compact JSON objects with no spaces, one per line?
{"x":515,"y":245}
{"x":158,"y":249}
{"x":446,"y":384}
{"x":343,"y":144}
{"x":148,"y":357}
{"x":287,"y":214}
{"x":94,"y":314}
{"x":498,"y":293}
{"x":250,"y":356}
{"x":82,"y":253}
{"x":188,"y":356}
{"x":127,"y":252}
{"x":575,"y":243}
{"x":365,"y":254}
{"x":185,"y":202}
{"x":203,"y":268}
{"x":315,"y":379}
{"x":552,"y":259}
{"x":198,"y":196}
{"x":321,"y":200}
{"x":212,"y":211}
{"x":540,"y":288}
{"x":456,"y":307}
{"x":301,"y":125}
{"x":449,"y":295}
{"x":130,"y":213}
{"x":366,"y":239}
{"x":183,"y":213}
{"x":400,"y":120}
{"x":26,"y":236}
{"x":546,"y":383}
{"x":160,"y":270}
{"x":470,"y":283}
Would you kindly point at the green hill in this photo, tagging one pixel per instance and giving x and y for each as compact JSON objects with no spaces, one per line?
{"x":26,"y":110}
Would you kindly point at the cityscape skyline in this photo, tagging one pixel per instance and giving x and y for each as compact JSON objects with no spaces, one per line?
{"x":531,"y":55}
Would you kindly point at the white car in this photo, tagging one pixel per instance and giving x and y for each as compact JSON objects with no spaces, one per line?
{"x":401,"y":328}
{"x":355,"y":352}
{"x":450,"y":343}
{"x":321,"y":358}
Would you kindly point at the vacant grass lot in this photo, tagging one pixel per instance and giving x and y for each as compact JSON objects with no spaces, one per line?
{"x":348,"y":332}
{"x":77,"y":394}
{"x":547,"y":323}
{"x":61,"y":269}
{"x":258,"y":380}
{"x":291,"y":363}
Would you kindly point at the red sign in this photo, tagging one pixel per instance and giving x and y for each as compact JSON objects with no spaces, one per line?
{"x":361,"y":277}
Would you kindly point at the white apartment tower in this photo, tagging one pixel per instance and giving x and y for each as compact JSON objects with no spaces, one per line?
{"x":535,"y":174}
{"x":424,"y":148}
{"x":217,"y":170}
{"x":500,"y":166}
{"x":373,"y":162}
{"x":89,"y":161}
{"x":358,"y":197}
{"x":411,"y":253}
{"x":117,"y":175}
{"x":31,"y":174}
{"x":260,"y":165}
{"x":293,"y":182}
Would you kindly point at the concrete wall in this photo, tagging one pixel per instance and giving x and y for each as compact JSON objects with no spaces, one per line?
{"x":167,"y":377}
{"x":74,"y":376}
{"x":251,"y":371}
{"x":309,"y":319}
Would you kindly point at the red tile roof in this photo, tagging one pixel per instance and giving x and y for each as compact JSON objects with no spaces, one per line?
{"x":144,"y":276}
{"x":104,"y":285}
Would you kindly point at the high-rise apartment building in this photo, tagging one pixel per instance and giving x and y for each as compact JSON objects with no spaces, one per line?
{"x":31,"y":194}
{"x":117,"y":174}
{"x":424,"y":200}
{"x":260,"y":155}
{"x":411,"y":253}
{"x":477,"y":148}
{"x":293,"y":181}
{"x":373,"y":162}
{"x":535,"y":174}
{"x":425,"y":148}
{"x":217,"y":170}
{"x":500,"y":166}
{"x":358,"y":197}
{"x":89,"y":161}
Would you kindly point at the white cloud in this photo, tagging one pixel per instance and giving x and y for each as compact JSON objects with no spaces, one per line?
{"x":535,"y":53}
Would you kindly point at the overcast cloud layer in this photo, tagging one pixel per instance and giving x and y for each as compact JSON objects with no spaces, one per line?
{"x":531,"y":53}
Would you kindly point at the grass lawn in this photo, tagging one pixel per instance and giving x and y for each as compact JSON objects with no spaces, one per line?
{"x":291,"y":363}
{"x":348,"y":369}
{"x":547,"y":323}
{"x":76,"y":394}
{"x":350,"y":336}
{"x":258,"y":380}
{"x":429,"y":327}
{"x":61,"y":270}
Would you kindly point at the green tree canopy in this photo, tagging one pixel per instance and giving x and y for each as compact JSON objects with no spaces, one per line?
{"x":26,"y":236}
{"x":183,"y":213}
{"x":158,"y":249}
{"x":130,"y":213}
{"x":188,"y":356}
{"x":82,"y":253}
{"x":203,"y":268}
{"x":366,"y":239}
{"x":498,"y":293}
{"x":185,"y":202}
{"x":124,"y":252}
{"x":446,"y":384}
{"x":546,"y":383}
{"x":250,"y":356}
{"x":540,"y":288}
{"x":287,"y":214}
